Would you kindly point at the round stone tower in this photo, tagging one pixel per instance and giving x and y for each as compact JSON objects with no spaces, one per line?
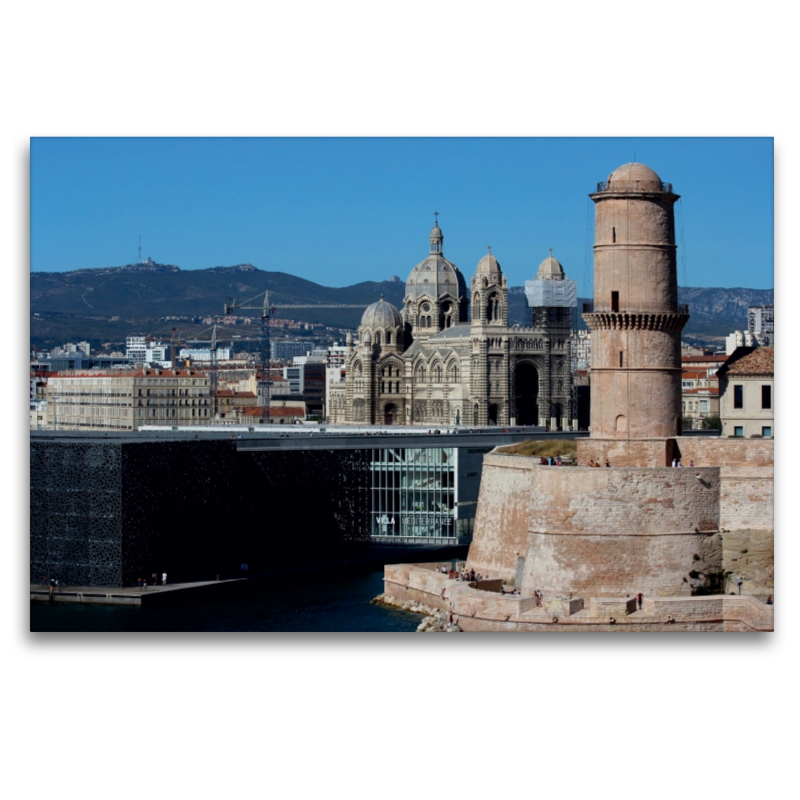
{"x":636,"y":322}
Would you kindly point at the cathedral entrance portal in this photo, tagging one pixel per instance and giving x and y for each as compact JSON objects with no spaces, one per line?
{"x":390,"y":414}
{"x":526,"y":394}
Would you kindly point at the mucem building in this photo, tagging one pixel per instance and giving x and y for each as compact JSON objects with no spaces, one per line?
{"x":424,"y":494}
{"x":108,"y":509}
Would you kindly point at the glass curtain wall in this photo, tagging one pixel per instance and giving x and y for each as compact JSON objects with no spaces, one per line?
{"x":413,"y":493}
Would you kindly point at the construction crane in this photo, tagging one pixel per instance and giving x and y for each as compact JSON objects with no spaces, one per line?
{"x":213,"y":372}
{"x":266,"y":309}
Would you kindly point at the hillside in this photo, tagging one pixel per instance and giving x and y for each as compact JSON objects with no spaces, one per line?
{"x":109,"y":303}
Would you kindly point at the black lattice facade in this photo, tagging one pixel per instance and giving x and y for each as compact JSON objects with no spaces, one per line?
{"x":104,"y":513}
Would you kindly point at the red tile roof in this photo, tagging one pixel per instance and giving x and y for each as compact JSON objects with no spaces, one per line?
{"x":760,"y":362}
{"x":704,"y":359}
{"x":711,"y":391}
{"x":275,"y":412}
{"x":135,"y":373}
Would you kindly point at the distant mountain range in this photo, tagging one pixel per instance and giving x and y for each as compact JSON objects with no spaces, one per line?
{"x":109,"y":303}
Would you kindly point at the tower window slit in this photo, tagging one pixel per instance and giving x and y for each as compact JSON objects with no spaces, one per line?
{"x":615,"y":301}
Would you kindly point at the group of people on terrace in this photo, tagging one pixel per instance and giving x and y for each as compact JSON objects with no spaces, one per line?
{"x":141,"y":583}
{"x":549,"y":461}
{"x":462,"y":574}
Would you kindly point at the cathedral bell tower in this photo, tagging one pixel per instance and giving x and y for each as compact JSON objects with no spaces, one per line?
{"x":489,"y":392}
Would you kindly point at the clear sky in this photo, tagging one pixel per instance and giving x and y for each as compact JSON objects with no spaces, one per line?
{"x":342,"y":210}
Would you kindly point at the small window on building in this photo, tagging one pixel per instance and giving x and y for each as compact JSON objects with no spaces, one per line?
{"x":766,"y":397}
{"x":621,"y":359}
{"x":738,"y":431}
{"x":615,"y":301}
{"x":766,"y":431}
{"x":738,"y":396}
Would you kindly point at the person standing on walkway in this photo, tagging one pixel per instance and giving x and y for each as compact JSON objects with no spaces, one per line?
{"x":639,"y":600}
{"x":163,"y":578}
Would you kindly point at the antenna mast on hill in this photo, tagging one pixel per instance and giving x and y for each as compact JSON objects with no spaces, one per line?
{"x":140,"y":249}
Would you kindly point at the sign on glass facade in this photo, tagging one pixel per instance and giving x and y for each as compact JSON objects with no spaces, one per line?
{"x":414,"y":493}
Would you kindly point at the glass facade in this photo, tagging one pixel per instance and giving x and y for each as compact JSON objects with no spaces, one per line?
{"x":414,"y":493}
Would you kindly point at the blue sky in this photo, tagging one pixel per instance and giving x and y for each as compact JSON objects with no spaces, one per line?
{"x":342,"y":210}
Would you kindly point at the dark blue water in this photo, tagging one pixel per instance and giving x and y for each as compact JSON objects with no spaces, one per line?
{"x":330,"y":603}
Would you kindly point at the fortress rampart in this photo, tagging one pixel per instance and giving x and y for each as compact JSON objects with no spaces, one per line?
{"x":477,"y":610}
{"x":703,"y":451}
{"x":608,"y":532}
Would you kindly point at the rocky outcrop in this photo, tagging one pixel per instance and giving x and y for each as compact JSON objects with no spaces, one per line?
{"x":434,"y":621}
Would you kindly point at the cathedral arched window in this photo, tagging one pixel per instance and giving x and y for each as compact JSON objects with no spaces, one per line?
{"x":388,"y":337}
{"x":358,"y":411}
{"x":378,"y":338}
{"x":437,"y":373}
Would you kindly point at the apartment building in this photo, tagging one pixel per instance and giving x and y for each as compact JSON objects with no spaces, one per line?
{"x":747,"y":396}
{"x":127,"y":399}
{"x":700,"y":390}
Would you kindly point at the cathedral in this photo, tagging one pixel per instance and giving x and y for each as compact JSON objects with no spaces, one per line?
{"x":451,"y":358}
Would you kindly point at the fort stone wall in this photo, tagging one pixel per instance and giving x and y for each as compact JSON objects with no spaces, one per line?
{"x":502,"y":516}
{"x":612,"y":532}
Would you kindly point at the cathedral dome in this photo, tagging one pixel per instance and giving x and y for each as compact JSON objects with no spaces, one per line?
{"x":550,"y":269}
{"x":381,"y":315}
{"x":634,"y":176}
{"x":488,"y":265}
{"x":434,"y":277}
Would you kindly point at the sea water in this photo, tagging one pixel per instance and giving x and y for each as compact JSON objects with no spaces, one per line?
{"x":338,"y":601}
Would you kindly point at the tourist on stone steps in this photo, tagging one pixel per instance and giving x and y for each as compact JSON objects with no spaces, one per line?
{"x":679,"y":463}
{"x":539,"y":591}
{"x":53,"y":584}
{"x":163,"y":578}
{"x":639,"y":598}
{"x":674,"y":462}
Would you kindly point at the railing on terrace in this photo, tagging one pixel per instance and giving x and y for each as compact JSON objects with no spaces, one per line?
{"x":642,"y":186}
